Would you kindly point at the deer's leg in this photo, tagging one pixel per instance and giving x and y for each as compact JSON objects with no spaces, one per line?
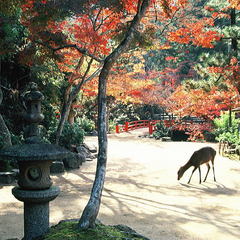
{"x":200,"y":178}
{"x":192,"y":174}
{"x":208,"y":166}
{"x":213,"y":171}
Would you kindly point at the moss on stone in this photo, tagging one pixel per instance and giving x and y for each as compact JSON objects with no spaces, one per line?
{"x":67,"y":230}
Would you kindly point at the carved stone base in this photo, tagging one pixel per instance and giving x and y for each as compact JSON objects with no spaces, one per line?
{"x":36,"y":210}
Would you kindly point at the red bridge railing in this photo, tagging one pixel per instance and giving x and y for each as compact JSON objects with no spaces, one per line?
{"x":129,"y":126}
{"x":151,"y":125}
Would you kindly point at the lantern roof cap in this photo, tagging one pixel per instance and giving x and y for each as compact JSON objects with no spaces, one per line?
{"x":34,"y":152}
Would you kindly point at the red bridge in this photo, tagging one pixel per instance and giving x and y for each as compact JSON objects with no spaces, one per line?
{"x":151,"y":124}
{"x":191,"y":127}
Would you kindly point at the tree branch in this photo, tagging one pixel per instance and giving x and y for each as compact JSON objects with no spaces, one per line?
{"x":75,"y":46}
{"x":80,"y":50}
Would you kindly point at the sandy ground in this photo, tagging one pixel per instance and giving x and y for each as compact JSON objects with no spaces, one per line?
{"x":142,"y":191}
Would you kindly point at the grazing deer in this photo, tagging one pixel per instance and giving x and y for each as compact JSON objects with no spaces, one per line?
{"x":203,"y":155}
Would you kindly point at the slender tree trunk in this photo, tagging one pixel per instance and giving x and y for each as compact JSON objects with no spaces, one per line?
{"x":230,"y":119}
{"x":234,"y":43}
{"x":234,"y":46}
{"x":4,"y":132}
{"x":91,"y":210}
{"x":70,"y":96}
{"x":64,"y":116}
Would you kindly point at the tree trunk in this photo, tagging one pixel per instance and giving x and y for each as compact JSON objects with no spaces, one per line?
{"x":71,"y":116}
{"x":64,"y":116}
{"x":91,"y":210}
{"x":234,"y":46}
{"x":4,"y":132}
{"x":69,"y":97}
{"x":234,"y":42}
{"x":230,"y":119}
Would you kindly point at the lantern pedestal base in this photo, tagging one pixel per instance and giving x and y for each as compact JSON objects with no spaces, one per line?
{"x":36,"y":209}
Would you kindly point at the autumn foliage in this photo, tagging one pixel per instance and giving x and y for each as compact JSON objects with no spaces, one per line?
{"x":80,"y":38}
{"x":202,"y":103}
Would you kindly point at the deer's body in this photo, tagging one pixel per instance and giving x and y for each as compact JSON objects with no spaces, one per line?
{"x":203,"y":155}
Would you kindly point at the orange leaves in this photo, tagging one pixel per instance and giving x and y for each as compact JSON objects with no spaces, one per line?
{"x":69,"y":60}
{"x":27,"y":5}
{"x":197,"y":102}
{"x":235,"y":4}
{"x":181,"y":35}
{"x":123,"y":87}
{"x":233,"y":61}
{"x":182,"y":2}
{"x":88,"y":34}
{"x":170,"y":58}
{"x":130,"y":5}
{"x":195,"y":33}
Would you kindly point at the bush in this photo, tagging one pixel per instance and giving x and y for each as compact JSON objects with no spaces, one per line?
{"x":222,"y":124}
{"x":111,"y":126}
{"x":225,"y":133}
{"x":86,"y":124}
{"x":231,"y":137}
{"x":17,"y":139}
{"x":71,"y":135}
{"x":209,"y":136}
{"x":161,"y":131}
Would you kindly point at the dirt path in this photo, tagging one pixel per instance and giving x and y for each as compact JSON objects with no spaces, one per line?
{"x":142,"y":191}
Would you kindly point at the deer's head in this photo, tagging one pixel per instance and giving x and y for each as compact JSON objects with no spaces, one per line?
{"x":180,"y":173}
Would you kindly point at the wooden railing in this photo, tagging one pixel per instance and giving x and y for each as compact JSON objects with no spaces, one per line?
{"x":151,"y":125}
{"x":129,"y":126}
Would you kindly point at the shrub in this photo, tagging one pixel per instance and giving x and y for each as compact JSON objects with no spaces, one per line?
{"x":161,"y":131}
{"x":231,"y":137}
{"x":224,"y":132}
{"x":111,"y":126}
{"x":17,"y":139}
{"x":86,"y":124}
{"x":71,"y":135}
{"x":209,"y":136}
{"x":222,"y":124}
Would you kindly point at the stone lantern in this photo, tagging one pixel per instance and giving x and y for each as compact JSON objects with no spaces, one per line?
{"x":34,"y":158}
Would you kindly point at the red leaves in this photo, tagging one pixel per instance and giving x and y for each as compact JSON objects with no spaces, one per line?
{"x":169,"y":58}
{"x":197,"y":102}
{"x":195,"y":33}
{"x":234,"y":4}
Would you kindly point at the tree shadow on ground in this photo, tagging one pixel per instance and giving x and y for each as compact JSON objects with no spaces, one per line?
{"x":216,"y":189}
{"x":118,"y":203}
{"x":122,"y":207}
{"x":10,"y":213}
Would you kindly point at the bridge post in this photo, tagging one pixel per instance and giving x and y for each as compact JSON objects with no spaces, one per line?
{"x":117,"y":129}
{"x":150,"y":126}
{"x":126,"y":126}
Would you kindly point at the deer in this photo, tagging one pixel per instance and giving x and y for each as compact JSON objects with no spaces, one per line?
{"x":203,"y":155}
